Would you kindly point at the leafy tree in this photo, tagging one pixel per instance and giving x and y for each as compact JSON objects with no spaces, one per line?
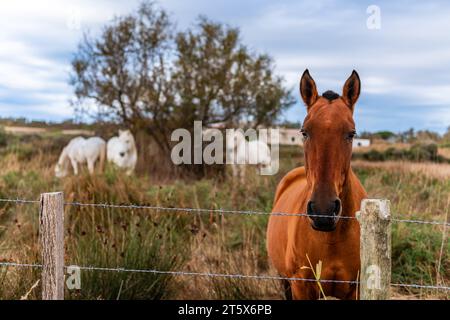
{"x":137,"y":72}
{"x":408,"y":136}
{"x":290,"y":124}
{"x":123,"y":71}
{"x":385,"y":135}
{"x":427,"y":136}
{"x":218,"y":80}
{"x":365,"y":135}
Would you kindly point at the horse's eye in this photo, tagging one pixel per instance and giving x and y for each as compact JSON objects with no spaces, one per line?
{"x":304,"y":134}
{"x":351,"y":135}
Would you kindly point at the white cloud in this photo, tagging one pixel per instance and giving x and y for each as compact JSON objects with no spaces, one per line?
{"x":36,"y":43}
{"x":406,"y":62}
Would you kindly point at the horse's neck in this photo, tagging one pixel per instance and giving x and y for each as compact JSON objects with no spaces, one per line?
{"x":64,"y":158}
{"x":133,"y":144}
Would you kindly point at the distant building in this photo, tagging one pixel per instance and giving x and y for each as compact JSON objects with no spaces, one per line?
{"x":293,"y":137}
{"x":287,"y":136}
{"x":358,"y":143}
{"x":290,"y":137}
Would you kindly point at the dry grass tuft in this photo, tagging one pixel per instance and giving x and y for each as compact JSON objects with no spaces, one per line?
{"x":199,"y":243}
{"x":436,"y":170}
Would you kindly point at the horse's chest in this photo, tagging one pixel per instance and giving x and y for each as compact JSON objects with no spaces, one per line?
{"x":334,"y":257}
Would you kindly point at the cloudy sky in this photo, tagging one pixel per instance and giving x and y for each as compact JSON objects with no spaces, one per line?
{"x":404,"y":64}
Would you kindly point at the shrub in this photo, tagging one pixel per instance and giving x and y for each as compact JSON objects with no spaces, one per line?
{"x":374,"y":155}
{"x":3,"y":138}
{"x":128,"y":240}
{"x":423,"y":152}
{"x":417,"y":152}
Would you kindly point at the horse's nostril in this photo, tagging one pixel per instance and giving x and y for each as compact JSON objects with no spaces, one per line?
{"x":310,"y":207}
{"x":337,"y":206}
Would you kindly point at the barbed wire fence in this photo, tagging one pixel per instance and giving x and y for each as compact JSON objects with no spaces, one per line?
{"x":209,"y":211}
{"x":51,"y":268}
{"x":221,"y":275}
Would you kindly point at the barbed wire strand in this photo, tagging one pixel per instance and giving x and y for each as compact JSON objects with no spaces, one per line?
{"x":197,"y":210}
{"x":20,"y":265}
{"x":209,"y":211}
{"x":19,"y":201}
{"x":221,"y":275}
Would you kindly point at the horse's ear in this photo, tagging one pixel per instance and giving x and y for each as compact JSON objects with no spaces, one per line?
{"x":308,"y":89}
{"x":352,"y":88}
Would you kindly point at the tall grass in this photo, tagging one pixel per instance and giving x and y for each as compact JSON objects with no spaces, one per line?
{"x":149,"y":239}
{"x":420,"y":252}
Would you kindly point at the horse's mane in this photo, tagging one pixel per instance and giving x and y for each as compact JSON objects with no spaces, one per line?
{"x":63,"y":156}
{"x":63,"y":159}
{"x":330,"y":95}
{"x":133,"y":139}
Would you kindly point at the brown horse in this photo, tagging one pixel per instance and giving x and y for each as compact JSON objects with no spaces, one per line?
{"x":326,"y":189}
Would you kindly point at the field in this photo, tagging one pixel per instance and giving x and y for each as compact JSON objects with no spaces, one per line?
{"x":151,"y":239}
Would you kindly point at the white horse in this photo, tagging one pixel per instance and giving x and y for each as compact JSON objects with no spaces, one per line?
{"x":79,"y":151}
{"x":122,"y":151}
{"x":254,"y":152}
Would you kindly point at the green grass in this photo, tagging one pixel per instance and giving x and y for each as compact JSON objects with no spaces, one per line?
{"x":416,"y":248}
{"x":135,"y":242}
{"x":148,"y":239}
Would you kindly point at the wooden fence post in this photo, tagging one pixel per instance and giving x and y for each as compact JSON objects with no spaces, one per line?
{"x":375,"y":222}
{"x":51,"y":230}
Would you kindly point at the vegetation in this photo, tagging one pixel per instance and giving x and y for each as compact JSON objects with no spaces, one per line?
{"x":409,"y":136}
{"x":209,"y":242}
{"x":142,"y":74}
{"x":417,"y":152}
{"x":49,"y":125}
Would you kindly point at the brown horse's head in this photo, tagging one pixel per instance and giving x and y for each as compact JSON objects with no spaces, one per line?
{"x":328,"y":131}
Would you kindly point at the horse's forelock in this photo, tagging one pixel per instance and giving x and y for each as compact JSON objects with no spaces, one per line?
{"x":330,"y":95}
{"x":126,"y":134}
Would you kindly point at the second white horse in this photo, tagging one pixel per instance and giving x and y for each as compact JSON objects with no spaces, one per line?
{"x":122,"y":151}
{"x":254,"y":152}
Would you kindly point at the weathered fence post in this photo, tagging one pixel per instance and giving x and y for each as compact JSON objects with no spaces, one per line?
{"x":375,"y":222}
{"x":51,"y":230}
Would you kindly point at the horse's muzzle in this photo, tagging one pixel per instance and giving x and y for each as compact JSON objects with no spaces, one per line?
{"x":324,"y":220}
